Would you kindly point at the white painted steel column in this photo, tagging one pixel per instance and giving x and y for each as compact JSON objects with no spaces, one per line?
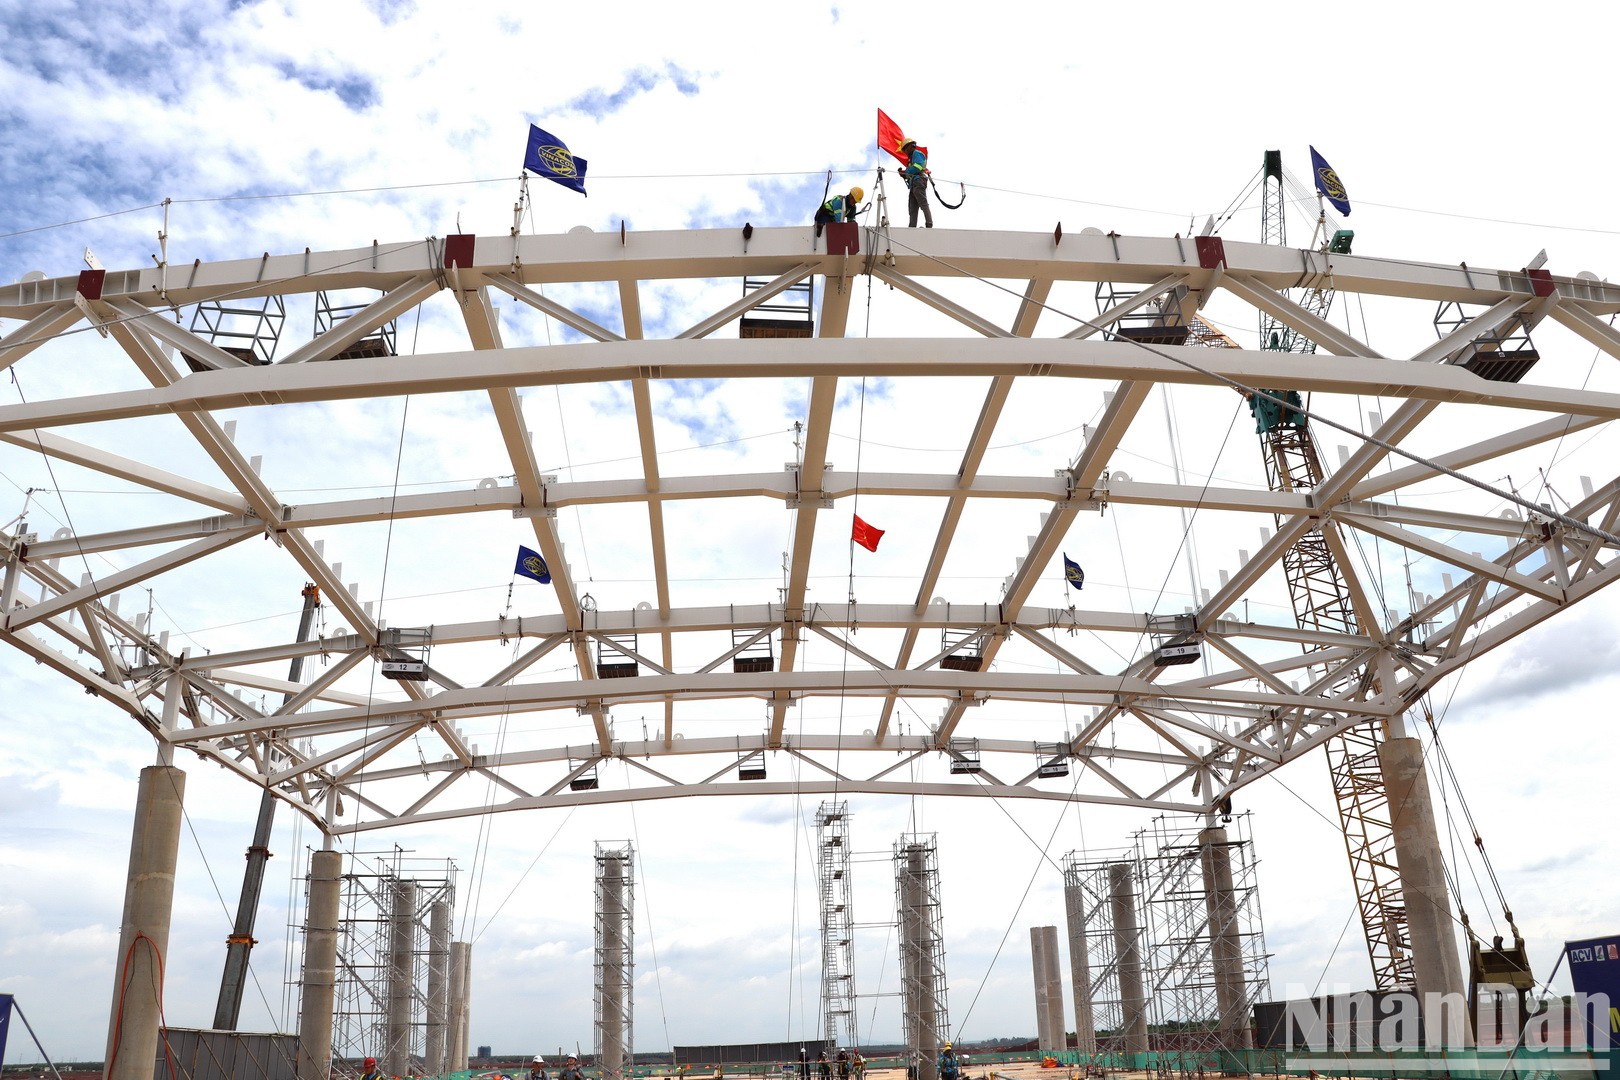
{"x":143,"y":936}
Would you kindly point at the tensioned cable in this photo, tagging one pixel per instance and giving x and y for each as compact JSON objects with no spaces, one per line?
{"x":1250,"y":391}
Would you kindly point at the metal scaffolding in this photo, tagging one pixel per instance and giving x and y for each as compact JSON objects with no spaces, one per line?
{"x":1104,"y":917}
{"x":615,"y":960}
{"x":386,"y":956}
{"x":837,"y":924}
{"x":1205,"y":950}
{"x":924,"y":1017}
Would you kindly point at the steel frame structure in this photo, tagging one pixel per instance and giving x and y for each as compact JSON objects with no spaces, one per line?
{"x":615,"y":961}
{"x":367,"y":951}
{"x":838,"y":1026}
{"x":924,"y":1010}
{"x":1181,"y":932}
{"x":1172,"y":739}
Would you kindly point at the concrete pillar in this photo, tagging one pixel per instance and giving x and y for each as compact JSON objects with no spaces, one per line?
{"x":1225,"y":941}
{"x":917,"y":948}
{"x":395,"y":1058}
{"x":1043,"y":1014}
{"x":143,"y":935}
{"x":1052,"y":1031}
{"x":320,"y":965}
{"x":611,"y":985}
{"x":1429,"y":922}
{"x":438,"y":987}
{"x":1128,"y":957}
{"x":1085,"y":1028}
{"x":460,"y":995}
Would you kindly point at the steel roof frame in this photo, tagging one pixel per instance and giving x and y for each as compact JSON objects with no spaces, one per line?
{"x":1152,"y":737}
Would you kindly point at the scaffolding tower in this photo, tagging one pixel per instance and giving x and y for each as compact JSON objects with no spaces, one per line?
{"x":1101,"y":894}
{"x":390,"y":1001}
{"x":837,"y":924}
{"x":615,"y":960}
{"x":1205,"y":951}
{"x":924,"y":1017}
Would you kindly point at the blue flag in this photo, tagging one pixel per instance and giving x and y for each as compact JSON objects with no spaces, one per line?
{"x":547,"y":156}
{"x":531,"y":565}
{"x":1327,"y":182}
{"x":1073,"y":574}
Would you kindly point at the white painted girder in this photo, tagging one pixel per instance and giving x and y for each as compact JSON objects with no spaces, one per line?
{"x":1246,"y":710}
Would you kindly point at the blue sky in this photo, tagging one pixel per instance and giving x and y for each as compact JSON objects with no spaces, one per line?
{"x":279,"y":126}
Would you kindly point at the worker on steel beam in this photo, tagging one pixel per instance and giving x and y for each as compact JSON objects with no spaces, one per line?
{"x":840,"y":208}
{"x":916,"y":174}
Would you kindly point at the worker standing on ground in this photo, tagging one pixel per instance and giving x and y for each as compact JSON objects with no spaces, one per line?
{"x":843,"y":1064}
{"x":570,"y":1070}
{"x":840,"y":208}
{"x":537,"y":1068}
{"x":916,"y":176}
{"x":949,"y":1067}
{"x":859,"y":1066}
{"x":369,"y":1070}
{"x":804,"y":1059}
{"x":823,"y":1066}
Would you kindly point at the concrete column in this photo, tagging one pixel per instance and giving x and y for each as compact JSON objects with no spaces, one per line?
{"x":438,"y":987}
{"x":1052,"y":1031}
{"x":916,"y":929}
{"x":1226,"y":943}
{"x":320,"y":965}
{"x":1085,"y":1028}
{"x":143,"y":936}
{"x":1429,"y":922}
{"x":1043,"y":1014}
{"x":460,"y":993}
{"x":395,"y":1058}
{"x":1128,"y":957}
{"x":611,"y":981}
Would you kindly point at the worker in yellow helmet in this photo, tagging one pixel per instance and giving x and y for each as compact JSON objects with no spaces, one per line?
{"x":949,"y":1067}
{"x":916,"y":176}
{"x":840,"y":208}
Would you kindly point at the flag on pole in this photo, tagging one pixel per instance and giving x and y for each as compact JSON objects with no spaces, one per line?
{"x":865,"y":535}
{"x":531,"y":565}
{"x":547,"y":156}
{"x":890,"y":139}
{"x":1327,"y":182}
{"x":1073,"y":574}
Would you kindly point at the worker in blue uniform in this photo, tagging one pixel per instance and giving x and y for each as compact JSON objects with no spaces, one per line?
{"x":916,"y":175}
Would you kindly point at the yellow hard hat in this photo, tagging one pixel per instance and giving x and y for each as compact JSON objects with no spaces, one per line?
{"x":947,"y":1046}
{"x":908,"y":142}
{"x":857,"y":193}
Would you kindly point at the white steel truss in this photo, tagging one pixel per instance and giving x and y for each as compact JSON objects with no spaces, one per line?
{"x":145,"y":406}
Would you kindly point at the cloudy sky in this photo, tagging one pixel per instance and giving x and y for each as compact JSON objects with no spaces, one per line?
{"x":1464,"y":134}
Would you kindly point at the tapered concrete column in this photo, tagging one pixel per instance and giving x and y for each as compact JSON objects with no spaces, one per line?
{"x":438,"y":987}
{"x":395,"y":1058}
{"x":320,"y":965}
{"x":1043,"y":1015}
{"x":1430,"y":925}
{"x":1052,"y":1033}
{"x":1225,"y":942}
{"x":1085,"y":1028}
{"x":460,"y":993}
{"x":143,"y":935}
{"x":1128,"y":957}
